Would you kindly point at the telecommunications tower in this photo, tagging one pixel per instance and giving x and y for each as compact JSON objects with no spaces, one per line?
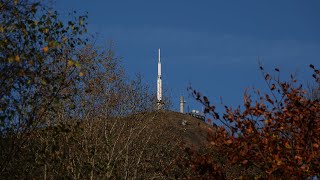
{"x":159,"y":83}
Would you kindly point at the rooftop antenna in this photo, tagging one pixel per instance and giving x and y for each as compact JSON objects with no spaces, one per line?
{"x":159,"y":83}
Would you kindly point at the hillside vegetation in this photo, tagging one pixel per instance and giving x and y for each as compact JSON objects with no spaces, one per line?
{"x":142,"y":146}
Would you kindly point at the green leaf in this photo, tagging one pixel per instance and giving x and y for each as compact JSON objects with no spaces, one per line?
{"x":80,"y":21}
{"x":43,"y":82}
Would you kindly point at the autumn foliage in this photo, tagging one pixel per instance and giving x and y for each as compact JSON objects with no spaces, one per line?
{"x":68,"y":111}
{"x":277,"y":133}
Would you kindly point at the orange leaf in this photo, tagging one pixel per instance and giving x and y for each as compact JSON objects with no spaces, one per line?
{"x":272,"y":87}
{"x":287,"y":145}
{"x":17,"y":58}
{"x":249,"y":130}
{"x":45,"y":49}
{"x":315,"y":145}
{"x":228,"y":142}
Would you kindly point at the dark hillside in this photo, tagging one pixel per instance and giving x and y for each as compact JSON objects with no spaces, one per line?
{"x":141,"y":146}
{"x":164,"y":138}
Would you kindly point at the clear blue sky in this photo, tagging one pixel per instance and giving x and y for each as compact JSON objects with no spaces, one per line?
{"x":211,"y":44}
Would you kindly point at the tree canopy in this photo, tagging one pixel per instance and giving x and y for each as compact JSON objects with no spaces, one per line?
{"x":276,"y":133}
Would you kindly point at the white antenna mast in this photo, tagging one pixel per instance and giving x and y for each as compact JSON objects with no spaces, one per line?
{"x":159,"y":83}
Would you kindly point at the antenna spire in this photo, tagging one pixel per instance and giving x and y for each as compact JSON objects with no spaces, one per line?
{"x":159,"y":83}
{"x":159,"y":55}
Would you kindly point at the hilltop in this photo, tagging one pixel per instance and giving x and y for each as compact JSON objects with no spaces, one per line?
{"x":143,"y":146}
{"x":165,"y":138}
{"x":185,"y":128}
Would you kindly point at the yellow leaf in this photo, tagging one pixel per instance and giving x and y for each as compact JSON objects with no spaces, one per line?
{"x":70,"y":63}
{"x":279,"y":162}
{"x":81,"y":74}
{"x":267,"y":121}
{"x":274,"y":136}
{"x":11,"y":59}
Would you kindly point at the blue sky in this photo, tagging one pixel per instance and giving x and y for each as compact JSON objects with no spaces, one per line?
{"x":212,"y":44}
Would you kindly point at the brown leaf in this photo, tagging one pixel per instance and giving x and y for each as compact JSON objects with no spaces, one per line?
{"x":261,"y":68}
{"x":244,"y":162}
{"x":228,"y":142}
{"x":311,"y":66}
{"x":272,"y":87}
{"x":267,"y":77}
{"x":268,"y":99}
